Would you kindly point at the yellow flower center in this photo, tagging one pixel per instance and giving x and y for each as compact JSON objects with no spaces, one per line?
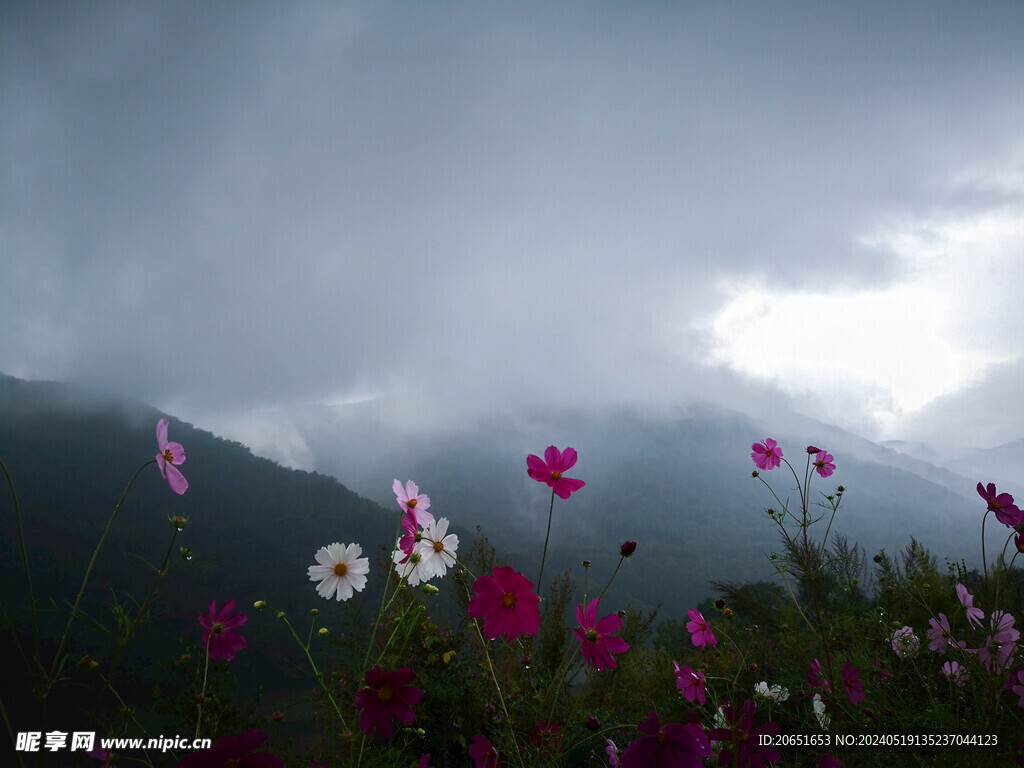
{"x":661,"y":739}
{"x":167,"y":456}
{"x":508,"y":600}
{"x":217,"y":628}
{"x":439,"y":546}
{"x":556,"y":475}
{"x":340,"y":569}
{"x":412,"y":503}
{"x":384,"y":694}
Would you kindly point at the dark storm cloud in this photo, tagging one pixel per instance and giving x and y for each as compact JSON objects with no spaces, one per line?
{"x":216,"y":207}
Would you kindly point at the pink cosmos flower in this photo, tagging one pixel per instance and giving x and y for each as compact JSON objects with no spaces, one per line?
{"x":220,"y":641}
{"x":413,"y":502}
{"x":955,"y":673}
{"x":1002,"y":504}
{"x":483,"y":753}
{"x":614,"y":754}
{"x":507,"y":604}
{"x":550,"y":470}
{"x":690,"y":683}
{"x":170,"y":454}
{"x":388,"y":696}
{"x":974,"y":615}
{"x":410,"y":537}
{"x":940,"y":636}
{"x":766,"y":454}
{"x":234,"y":751}
{"x":1019,"y":688}
{"x":744,"y":737}
{"x":823,"y":464}
{"x":673,"y":745}
{"x":997,"y":653}
{"x":851,"y":682}
{"x":904,"y":642}
{"x":699,"y":629}
{"x":596,"y":644}
{"x":815,"y":678}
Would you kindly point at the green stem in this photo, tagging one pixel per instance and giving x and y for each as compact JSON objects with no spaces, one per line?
{"x":621,"y":558}
{"x":85,"y":580}
{"x":202,"y":693}
{"x":24,"y":559}
{"x":544,"y":555}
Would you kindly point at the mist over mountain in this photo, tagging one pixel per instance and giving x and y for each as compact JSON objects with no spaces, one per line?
{"x":679,"y":484}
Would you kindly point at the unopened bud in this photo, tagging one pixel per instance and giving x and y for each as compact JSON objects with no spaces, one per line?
{"x":179,"y":522}
{"x":430,"y":589}
{"x":323,"y":631}
{"x":259,"y":605}
{"x":627,"y":549}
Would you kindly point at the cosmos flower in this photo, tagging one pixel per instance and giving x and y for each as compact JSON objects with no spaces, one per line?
{"x":507,"y":604}
{"x":220,"y":641}
{"x":774,"y":693}
{"x":437,"y":547}
{"x":823,"y":464}
{"x":483,"y":753}
{"x":1002,"y":504}
{"x":904,"y":642}
{"x":596,"y":643}
{"x":673,"y":745}
{"x":341,"y":570}
{"x":974,"y":615}
{"x":387,"y":697}
{"x":690,"y":683}
{"x":819,"y":711}
{"x":551,"y":469}
{"x":816,"y":679}
{"x":230,"y":751}
{"x":699,"y":629}
{"x":412,"y":501}
{"x":169,"y":454}
{"x":766,"y":454}
{"x":851,"y":682}
{"x":955,"y":673}
{"x":939,"y":635}
{"x":742,"y":735}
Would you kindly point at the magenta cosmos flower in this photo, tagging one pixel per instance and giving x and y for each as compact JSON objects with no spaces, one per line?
{"x":234,"y":751}
{"x":851,"y":682}
{"x":388,"y":696}
{"x":507,"y":604}
{"x":766,"y":454}
{"x":168,"y":456}
{"x":673,"y":746}
{"x":699,"y":629}
{"x":220,"y":641}
{"x":744,"y":737}
{"x":550,"y":470}
{"x":483,"y":753}
{"x":1002,"y":504}
{"x":596,"y":645}
{"x":690,"y":683}
{"x":823,"y":464}
{"x":816,"y":679}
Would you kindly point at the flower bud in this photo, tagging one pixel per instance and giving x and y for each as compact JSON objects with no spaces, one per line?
{"x":527,"y":660}
{"x":727,"y":613}
{"x":430,"y":589}
{"x":627,"y":549}
{"x":1018,"y":541}
{"x":752,"y":667}
{"x":813,"y":450}
{"x":280,"y":615}
{"x":754,"y":473}
{"x":323,"y":631}
{"x":877,"y":558}
{"x":719,"y":603}
{"x":277,"y":717}
{"x":586,"y":563}
{"x":314,"y":611}
{"x":179,"y":522}
{"x":592,"y":723}
{"x":186,"y":553}
{"x":259,"y":605}
{"x":621,"y":613}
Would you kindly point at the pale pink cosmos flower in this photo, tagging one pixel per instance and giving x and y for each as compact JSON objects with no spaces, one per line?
{"x":955,"y":673}
{"x":766,"y":455}
{"x":699,"y":629}
{"x":413,"y":502}
{"x":168,"y":456}
{"x":997,"y":653}
{"x":940,"y":635}
{"x":551,"y":470}
{"x":596,"y":643}
{"x":974,"y":615}
{"x":904,"y":642}
{"x":823,"y":464}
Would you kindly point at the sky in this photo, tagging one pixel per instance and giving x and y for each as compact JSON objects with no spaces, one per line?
{"x":234,"y":211}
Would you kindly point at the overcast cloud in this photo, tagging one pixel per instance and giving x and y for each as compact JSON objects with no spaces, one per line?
{"x":233,"y":209}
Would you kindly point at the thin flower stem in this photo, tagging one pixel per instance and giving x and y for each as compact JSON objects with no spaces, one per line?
{"x":544,"y":555}
{"x":497,"y":688}
{"x":384,"y":594}
{"x":24,"y":561}
{"x":10,"y":731}
{"x":984,"y":559}
{"x":202,"y":693}
{"x":88,"y":572}
{"x":316,"y":672}
{"x":621,"y":558}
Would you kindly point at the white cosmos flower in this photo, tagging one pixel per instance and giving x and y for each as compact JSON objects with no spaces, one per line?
{"x":414,"y":570}
{"x":341,"y":570}
{"x":775,"y":693}
{"x":819,"y":712}
{"x":436,"y":549}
